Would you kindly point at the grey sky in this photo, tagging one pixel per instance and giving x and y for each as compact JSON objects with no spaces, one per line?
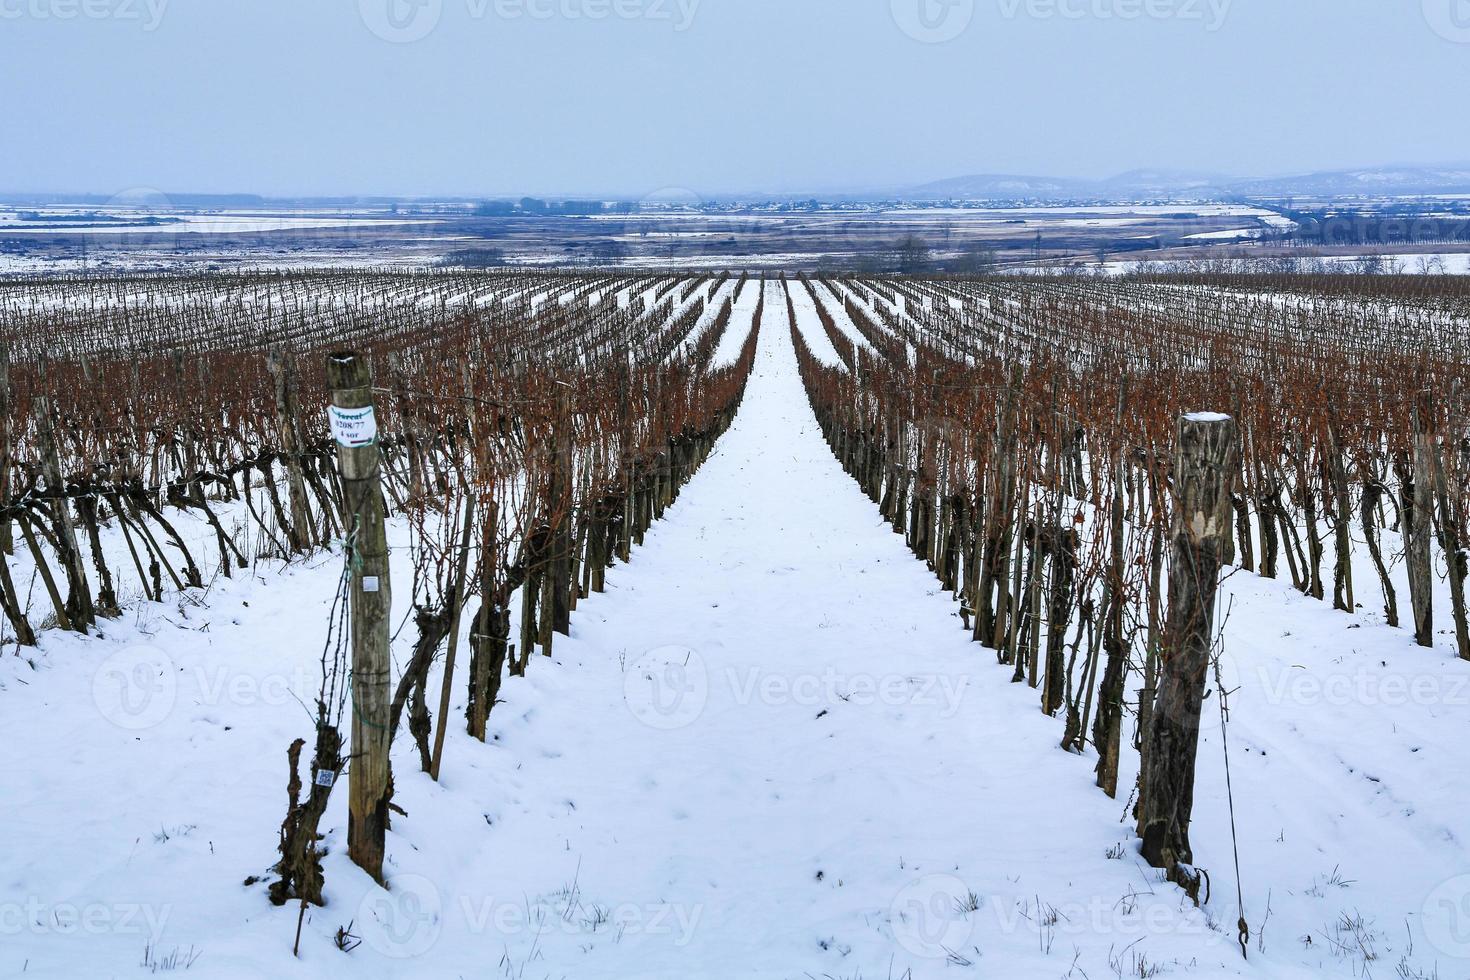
{"x":630,"y":96}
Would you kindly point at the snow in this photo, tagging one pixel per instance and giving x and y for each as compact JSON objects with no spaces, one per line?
{"x":843,"y":322}
{"x":1230,"y":234}
{"x":769,"y":750}
{"x":1207,"y":417}
{"x":209,"y":224}
{"x":742,"y":318}
{"x":807,"y":321}
{"x":1431,"y":263}
{"x":1413,"y":263}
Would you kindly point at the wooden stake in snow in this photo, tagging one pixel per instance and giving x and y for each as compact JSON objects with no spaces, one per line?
{"x":457,"y":608}
{"x":282,"y":365}
{"x":1418,"y":506}
{"x":355,"y":430}
{"x":1205,"y":466}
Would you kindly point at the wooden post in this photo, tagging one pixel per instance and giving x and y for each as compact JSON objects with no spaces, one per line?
{"x":456,"y":608}
{"x":1204,"y":469}
{"x":282,"y":365}
{"x":79,"y":607}
{"x":7,"y":533}
{"x":1107,"y":735}
{"x":1418,"y":522}
{"x":1452,"y":544}
{"x":355,"y":430}
{"x":559,"y":567}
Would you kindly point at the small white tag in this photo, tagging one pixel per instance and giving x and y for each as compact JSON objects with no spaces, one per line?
{"x":326,"y":778}
{"x":370,"y":583}
{"x":353,"y":428}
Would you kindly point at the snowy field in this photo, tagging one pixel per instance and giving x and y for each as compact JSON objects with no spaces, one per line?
{"x":770,"y":750}
{"x":124,"y":221}
{"x":1402,"y":263}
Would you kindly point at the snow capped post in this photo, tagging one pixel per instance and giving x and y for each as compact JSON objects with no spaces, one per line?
{"x":355,"y":430}
{"x":1205,"y":465}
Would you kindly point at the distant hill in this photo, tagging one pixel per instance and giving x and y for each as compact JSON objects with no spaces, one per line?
{"x":1370,"y":181}
{"x":1014,"y":187}
{"x":1001,"y":187}
{"x":1168,"y":184}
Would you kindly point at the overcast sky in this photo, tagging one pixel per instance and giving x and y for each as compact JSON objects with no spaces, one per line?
{"x":627,"y":97}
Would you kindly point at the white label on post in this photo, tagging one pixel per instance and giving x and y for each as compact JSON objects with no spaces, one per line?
{"x":370,"y":583}
{"x":326,"y":778}
{"x":353,"y":428}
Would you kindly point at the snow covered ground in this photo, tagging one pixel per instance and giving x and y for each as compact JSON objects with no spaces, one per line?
{"x":768,"y":751}
{"x":115,"y":221}
{"x":1411,"y":263}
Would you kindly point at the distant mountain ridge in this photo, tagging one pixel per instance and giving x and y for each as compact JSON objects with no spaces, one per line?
{"x":1188,"y":185}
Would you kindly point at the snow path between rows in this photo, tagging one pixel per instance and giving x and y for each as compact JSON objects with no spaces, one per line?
{"x":693,"y":767}
{"x":768,"y":751}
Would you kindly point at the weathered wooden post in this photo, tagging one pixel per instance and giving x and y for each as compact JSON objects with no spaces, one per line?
{"x":7,"y":434}
{"x":1205,"y":466}
{"x":355,"y":430}
{"x":1451,"y":527}
{"x":282,"y":364}
{"x":456,"y":607}
{"x":79,"y":607}
{"x":1418,"y":501}
{"x":562,"y":490}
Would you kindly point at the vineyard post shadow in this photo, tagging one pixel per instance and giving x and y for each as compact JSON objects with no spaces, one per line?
{"x":355,"y":430}
{"x":1205,"y":464}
